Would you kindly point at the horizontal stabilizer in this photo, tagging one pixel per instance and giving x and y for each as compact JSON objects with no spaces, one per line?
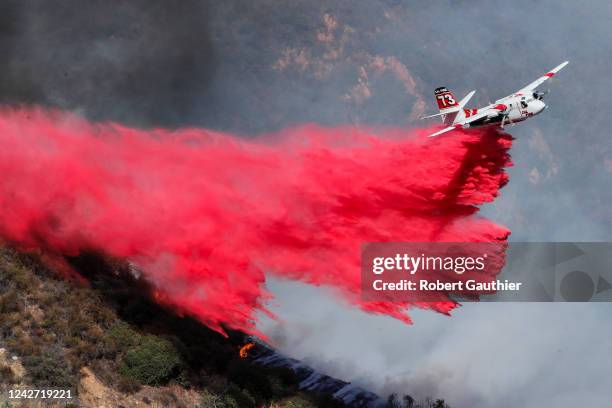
{"x":446,"y":112}
{"x":448,"y":129}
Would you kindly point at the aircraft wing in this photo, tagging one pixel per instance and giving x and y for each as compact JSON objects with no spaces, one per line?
{"x":543,"y":78}
{"x":529,"y":88}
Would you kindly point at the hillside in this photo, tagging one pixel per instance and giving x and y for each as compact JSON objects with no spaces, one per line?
{"x":108,"y":342}
{"x":94,"y":330}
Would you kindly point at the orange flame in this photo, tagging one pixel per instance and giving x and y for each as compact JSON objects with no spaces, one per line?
{"x":244,"y":350}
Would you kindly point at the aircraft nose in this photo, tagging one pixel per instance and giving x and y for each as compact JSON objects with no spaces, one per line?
{"x":538,"y":106}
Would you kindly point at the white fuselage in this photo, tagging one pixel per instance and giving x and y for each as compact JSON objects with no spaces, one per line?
{"x":516,"y":108}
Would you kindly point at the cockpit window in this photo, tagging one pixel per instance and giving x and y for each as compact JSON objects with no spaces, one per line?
{"x":523,"y":104}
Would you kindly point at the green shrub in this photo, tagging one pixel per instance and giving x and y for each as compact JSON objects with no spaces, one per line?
{"x":234,"y":397}
{"x":119,"y":338}
{"x":152,"y":362}
{"x":122,"y":335}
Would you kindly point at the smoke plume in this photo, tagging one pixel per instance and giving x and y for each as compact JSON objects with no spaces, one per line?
{"x":206,"y":215}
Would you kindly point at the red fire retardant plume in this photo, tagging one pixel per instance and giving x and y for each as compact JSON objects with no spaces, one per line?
{"x":205,"y":215}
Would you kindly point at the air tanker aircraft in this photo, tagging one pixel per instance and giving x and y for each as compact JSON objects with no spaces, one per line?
{"x":523,"y":104}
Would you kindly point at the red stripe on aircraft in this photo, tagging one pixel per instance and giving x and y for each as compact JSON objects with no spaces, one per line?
{"x":470,"y":112}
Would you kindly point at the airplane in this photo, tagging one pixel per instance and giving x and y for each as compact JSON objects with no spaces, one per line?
{"x":517,"y":107}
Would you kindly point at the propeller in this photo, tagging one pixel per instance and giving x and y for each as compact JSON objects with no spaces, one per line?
{"x":540,"y":95}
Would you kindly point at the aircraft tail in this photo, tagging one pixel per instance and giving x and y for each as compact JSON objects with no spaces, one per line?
{"x":448,"y":105}
{"x":446,"y":100}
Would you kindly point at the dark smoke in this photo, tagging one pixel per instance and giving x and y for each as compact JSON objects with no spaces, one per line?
{"x":139,"y":62}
